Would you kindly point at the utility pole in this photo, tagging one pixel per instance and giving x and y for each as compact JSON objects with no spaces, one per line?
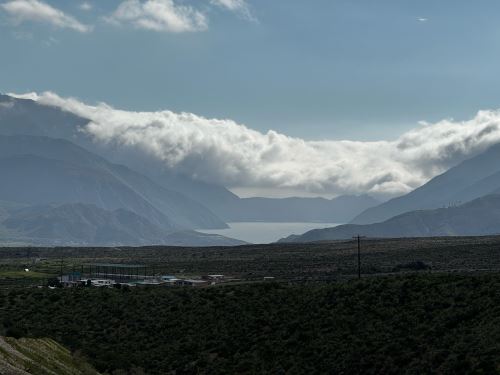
{"x":62,"y":264}
{"x":358,"y":237}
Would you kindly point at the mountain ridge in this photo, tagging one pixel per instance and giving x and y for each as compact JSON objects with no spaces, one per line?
{"x":79,"y":224}
{"x":464,"y":182}
{"x":66,"y":173}
{"x":475,"y":218}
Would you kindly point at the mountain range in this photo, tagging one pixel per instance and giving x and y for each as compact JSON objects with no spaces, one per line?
{"x":49,"y":163}
{"x":50,"y":166}
{"x":61,"y":186}
{"x":479,"y":217}
{"x":465,"y":200}
{"x":56,"y":193}
{"x":468,"y":180}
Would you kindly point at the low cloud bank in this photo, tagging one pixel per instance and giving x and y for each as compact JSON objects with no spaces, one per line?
{"x":232,"y":154}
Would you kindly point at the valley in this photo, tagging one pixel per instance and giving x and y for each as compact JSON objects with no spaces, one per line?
{"x":320,"y":261}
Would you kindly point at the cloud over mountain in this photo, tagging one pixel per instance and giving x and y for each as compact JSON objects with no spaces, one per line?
{"x":226,"y":152}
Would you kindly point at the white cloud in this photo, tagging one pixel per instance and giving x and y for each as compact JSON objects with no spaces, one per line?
{"x":225,"y":152}
{"x":159,"y":15}
{"x":38,"y":11}
{"x":237,"y":6}
{"x":49,"y":42}
{"x":422,"y":19}
{"x":86,"y":6}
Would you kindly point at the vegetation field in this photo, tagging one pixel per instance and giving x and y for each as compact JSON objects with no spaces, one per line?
{"x":411,"y":324}
{"x":288,"y":262}
{"x":428,"y":305}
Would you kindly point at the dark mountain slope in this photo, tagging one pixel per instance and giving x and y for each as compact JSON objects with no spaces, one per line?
{"x":468,"y":180}
{"x":476,"y":218}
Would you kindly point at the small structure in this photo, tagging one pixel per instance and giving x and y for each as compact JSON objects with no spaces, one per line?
{"x":168,"y":278}
{"x":213,"y":277}
{"x":148,"y":282}
{"x":102,"y":282}
{"x":70,"y":280}
{"x":191,"y":282}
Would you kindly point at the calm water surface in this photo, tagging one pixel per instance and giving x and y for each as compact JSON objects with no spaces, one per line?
{"x":266,"y":232}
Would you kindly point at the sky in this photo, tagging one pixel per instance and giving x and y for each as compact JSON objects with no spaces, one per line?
{"x":318,"y":69}
{"x":292,"y":71}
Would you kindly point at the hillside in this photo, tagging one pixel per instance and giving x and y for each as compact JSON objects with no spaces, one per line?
{"x":439,"y":324}
{"x":39,"y":357}
{"x":476,"y":218}
{"x":470,"y":179}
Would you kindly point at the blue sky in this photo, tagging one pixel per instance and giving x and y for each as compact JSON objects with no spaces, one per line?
{"x":318,"y":69}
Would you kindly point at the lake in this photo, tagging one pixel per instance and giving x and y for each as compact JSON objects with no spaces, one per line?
{"x":266,"y":232}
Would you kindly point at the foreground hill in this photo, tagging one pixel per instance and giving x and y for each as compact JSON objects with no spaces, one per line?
{"x":470,"y":179}
{"x":39,"y":357}
{"x":78,"y":224}
{"x":476,"y":218}
{"x":425,"y":324}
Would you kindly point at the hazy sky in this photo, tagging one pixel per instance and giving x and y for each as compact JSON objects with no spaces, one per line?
{"x":315,"y":69}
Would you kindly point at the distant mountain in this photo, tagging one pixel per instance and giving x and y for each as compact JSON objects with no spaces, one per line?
{"x":470,"y":179}
{"x":476,"y":218}
{"x":79,"y":224}
{"x":196,"y":239}
{"x":336,"y":210}
{"x":41,"y":170}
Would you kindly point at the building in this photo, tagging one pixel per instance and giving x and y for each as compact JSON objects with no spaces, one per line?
{"x":191,"y":282}
{"x":120,"y":273}
{"x":102,"y":282}
{"x":213,"y":277}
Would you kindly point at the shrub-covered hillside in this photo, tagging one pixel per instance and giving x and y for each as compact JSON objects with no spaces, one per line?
{"x":410,"y":324}
{"x":39,"y":357}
